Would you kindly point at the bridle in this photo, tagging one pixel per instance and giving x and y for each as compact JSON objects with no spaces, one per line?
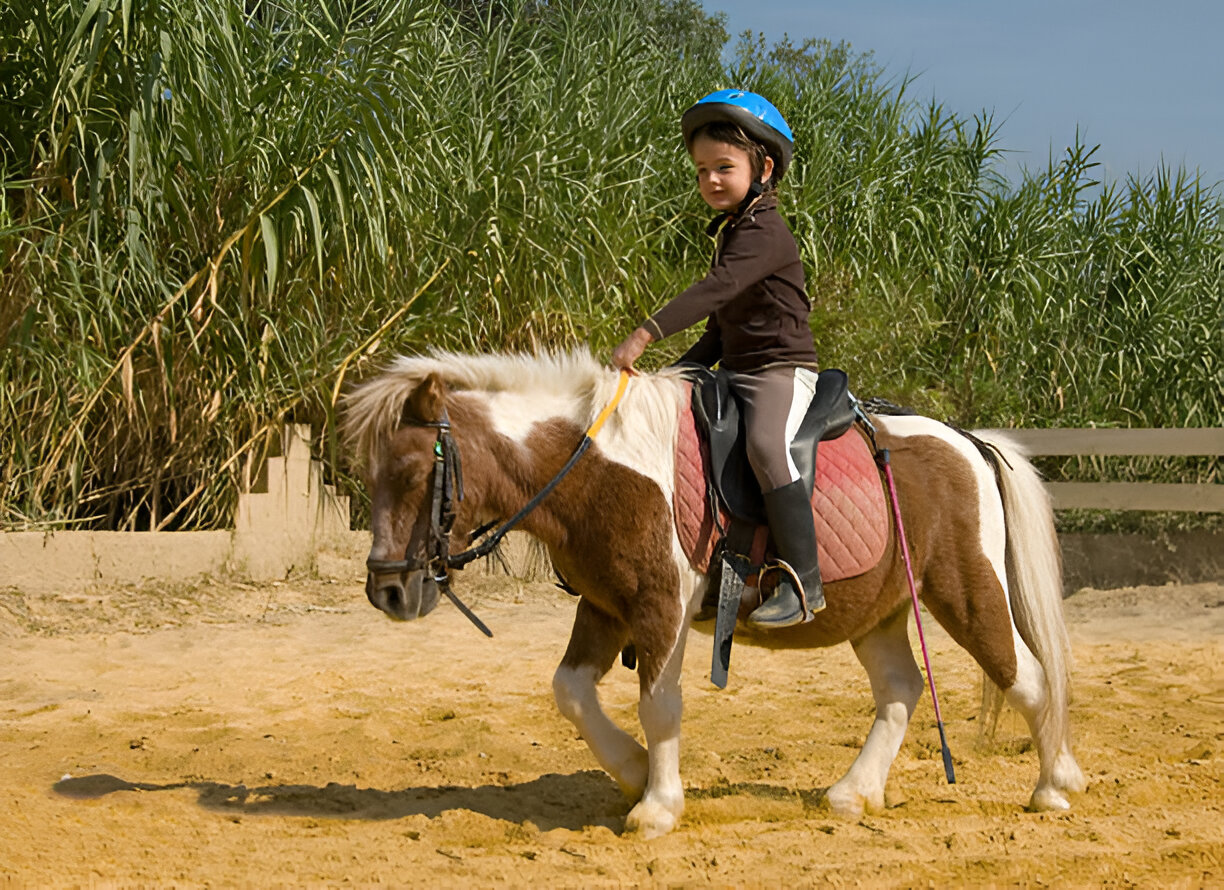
{"x":448,"y":490}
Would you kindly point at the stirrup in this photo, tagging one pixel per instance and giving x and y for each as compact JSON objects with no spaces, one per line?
{"x":811,"y":604}
{"x":808,"y":606}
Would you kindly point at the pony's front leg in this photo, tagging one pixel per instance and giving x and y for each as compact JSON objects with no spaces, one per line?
{"x":660,"y":710}
{"x":595,"y":642}
{"x":896,"y":685}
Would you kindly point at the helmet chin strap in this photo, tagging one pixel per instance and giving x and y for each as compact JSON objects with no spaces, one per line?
{"x":754,"y":191}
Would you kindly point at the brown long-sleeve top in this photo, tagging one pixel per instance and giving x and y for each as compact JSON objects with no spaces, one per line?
{"x":753,"y":298}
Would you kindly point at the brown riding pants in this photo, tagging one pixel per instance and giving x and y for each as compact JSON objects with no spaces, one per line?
{"x":774,"y":401}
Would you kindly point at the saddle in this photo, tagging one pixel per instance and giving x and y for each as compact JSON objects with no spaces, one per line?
{"x":719,"y":508}
{"x":717,"y":492}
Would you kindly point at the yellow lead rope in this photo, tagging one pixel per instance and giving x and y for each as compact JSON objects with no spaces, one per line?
{"x":594,"y":429}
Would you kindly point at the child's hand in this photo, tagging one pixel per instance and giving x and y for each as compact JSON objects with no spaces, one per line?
{"x":631,"y":349}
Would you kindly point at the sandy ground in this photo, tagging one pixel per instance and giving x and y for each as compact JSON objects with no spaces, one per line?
{"x":230,"y":735}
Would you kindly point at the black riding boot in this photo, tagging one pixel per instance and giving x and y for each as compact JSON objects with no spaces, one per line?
{"x":789,"y":510}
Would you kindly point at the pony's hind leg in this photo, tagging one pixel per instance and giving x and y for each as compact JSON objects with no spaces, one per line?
{"x":595,"y":642}
{"x":990,"y":635}
{"x":896,"y":685}
{"x":1059,"y":773}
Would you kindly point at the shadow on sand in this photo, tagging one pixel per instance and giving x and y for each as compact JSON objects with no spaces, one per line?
{"x":574,"y":801}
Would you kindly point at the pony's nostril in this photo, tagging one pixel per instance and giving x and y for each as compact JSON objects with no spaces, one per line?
{"x":393,"y":597}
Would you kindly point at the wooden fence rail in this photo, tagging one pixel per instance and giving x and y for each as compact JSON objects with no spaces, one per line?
{"x":1196,"y":498}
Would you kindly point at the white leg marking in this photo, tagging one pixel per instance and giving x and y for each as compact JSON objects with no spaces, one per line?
{"x":896,"y":685}
{"x":617,"y":751}
{"x":1058,"y":770}
{"x":660,"y":710}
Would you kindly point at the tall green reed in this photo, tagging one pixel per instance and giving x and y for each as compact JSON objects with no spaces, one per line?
{"x":216,"y":215}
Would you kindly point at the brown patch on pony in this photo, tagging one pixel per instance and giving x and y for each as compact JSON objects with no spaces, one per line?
{"x":596,"y":639}
{"x":401,"y":475}
{"x":959,"y":586}
{"x":956,"y":582}
{"x":629,"y":575}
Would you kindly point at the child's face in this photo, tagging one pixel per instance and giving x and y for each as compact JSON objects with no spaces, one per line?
{"x":724,"y":172}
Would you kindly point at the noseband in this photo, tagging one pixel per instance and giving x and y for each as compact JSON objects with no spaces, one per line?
{"x":448,"y":487}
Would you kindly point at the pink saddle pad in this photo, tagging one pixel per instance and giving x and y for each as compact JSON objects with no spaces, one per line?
{"x":848,"y":503}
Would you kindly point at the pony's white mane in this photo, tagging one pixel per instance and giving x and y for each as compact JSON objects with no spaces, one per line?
{"x":572,"y":385}
{"x":555,"y":373}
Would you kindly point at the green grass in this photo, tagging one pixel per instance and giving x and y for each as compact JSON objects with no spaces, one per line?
{"x":215,"y":215}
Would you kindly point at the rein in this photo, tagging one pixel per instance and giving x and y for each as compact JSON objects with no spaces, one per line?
{"x":448,"y":488}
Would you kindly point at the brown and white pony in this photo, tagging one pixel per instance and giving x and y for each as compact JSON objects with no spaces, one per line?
{"x":981,"y":535}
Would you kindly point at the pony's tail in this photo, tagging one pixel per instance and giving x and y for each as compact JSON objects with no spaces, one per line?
{"x":1034,"y":573}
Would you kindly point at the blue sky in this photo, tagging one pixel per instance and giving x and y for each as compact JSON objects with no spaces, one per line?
{"x":1143,"y":78}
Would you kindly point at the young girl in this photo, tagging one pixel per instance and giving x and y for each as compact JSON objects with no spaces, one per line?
{"x":756,"y":309}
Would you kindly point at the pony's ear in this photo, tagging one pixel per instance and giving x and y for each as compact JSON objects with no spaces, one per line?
{"x":426,"y":402}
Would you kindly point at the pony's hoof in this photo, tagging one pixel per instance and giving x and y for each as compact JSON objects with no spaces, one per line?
{"x":851,"y":805}
{"x":650,"y":820}
{"x":1046,"y":800}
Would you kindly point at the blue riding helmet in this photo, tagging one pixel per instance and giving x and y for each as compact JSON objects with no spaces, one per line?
{"x":754,"y":114}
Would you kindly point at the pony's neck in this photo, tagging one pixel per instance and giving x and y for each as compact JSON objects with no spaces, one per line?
{"x":521,"y":439}
{"x":507,"y":463}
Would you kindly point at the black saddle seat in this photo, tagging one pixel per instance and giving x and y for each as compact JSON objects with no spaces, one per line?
{"x":720,"y":422}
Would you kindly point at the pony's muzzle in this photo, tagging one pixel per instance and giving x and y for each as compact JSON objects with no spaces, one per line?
{"x":403,"y":597}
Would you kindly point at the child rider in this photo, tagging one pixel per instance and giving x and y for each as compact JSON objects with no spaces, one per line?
{"x":755,"y":308}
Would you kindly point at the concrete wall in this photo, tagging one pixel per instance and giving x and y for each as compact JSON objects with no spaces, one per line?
{"x":276,"y":531}
{"x":37,"y":562}
{"x":1108,"y":561}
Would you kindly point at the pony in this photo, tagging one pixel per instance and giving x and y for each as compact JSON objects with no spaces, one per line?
{"x":979,"y":524}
